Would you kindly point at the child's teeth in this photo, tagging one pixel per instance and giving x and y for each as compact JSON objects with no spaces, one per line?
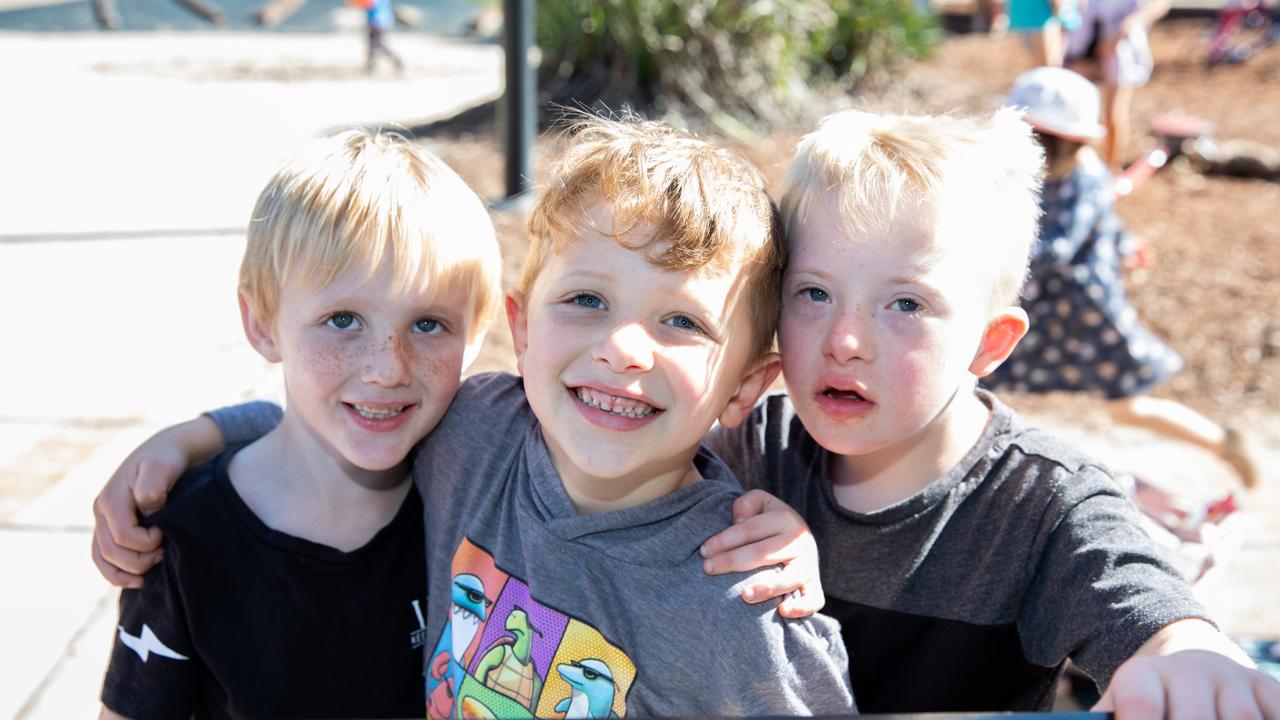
{"x":614,"y":405}
{"x":370,"y":413}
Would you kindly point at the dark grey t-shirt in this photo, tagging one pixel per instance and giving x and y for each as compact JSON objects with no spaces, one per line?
{"x":971,"y":594}
{"x":536,"y":609}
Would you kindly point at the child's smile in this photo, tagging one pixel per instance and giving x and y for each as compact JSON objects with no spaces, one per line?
{"x":613,"y":407}
{"x":368,"y":369}
{"x":626,"y":365}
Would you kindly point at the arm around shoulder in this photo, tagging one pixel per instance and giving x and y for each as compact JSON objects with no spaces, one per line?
{"x":122,"y":549}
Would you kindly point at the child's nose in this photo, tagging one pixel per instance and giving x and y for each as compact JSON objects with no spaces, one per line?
{"x":850,"y":337}
{"x":388,"y":363}
{"x":626,"y":347}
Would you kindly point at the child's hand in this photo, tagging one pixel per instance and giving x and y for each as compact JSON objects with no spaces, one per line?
{"x":1209,"y":677}
{"x":766,"y":531}
{"x":122,"y":549}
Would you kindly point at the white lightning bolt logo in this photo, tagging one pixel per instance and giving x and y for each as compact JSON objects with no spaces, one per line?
{"x":146,"y":644}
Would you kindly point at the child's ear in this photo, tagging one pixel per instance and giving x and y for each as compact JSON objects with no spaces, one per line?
{"x":259,"y":331}
{"x":519,"y":323}
{"x":758,"y":379}
{"x":999,"y":339}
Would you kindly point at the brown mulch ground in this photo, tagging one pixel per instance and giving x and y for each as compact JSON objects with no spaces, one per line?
{"x":1213,"y":292}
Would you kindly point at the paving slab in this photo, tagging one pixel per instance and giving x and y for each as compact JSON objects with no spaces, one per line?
{"x":179,"y":131}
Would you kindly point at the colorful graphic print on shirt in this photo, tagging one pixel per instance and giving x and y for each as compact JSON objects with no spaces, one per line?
{"x":505,"y":655}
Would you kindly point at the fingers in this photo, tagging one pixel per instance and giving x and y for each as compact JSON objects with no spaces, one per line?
{"x":128,"y":562}
{"x":113,"y":574}
{"x":1267,"y":691}
{"x":1136,"y":692}
{"x":804,"y":602}
{"x":753,"y":503}
{"x":756,"y":515}
{"x":1238,"y":702}
{"x":152,"y":483}
{"x":114,"y":511}
{"x":1190,"y":696}
{"x":749,"y":545}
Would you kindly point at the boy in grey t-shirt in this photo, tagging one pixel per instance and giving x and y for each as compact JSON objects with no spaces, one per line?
{"x":967,"y":555}
{"x":565,"y":507}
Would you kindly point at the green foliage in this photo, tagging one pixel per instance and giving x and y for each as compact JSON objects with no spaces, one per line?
{"x":872,"y":36}
{"x":754,"y":60}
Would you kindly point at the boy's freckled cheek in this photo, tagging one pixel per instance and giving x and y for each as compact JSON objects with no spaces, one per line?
{"x":323,"y":357}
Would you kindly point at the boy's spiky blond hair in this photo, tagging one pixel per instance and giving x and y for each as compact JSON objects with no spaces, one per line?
{"x":707,"y":208}
{"x":346,"y":201}
{"x":883,"y":168}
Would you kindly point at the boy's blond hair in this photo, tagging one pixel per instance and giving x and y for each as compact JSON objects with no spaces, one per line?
{"x":707,"y":208}
{"x":889,"y":167}
{"x":346,"y":201}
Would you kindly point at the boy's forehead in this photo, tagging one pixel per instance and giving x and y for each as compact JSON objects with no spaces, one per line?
{"x":907,"y":249}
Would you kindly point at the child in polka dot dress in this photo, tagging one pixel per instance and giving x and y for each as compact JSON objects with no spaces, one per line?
{"x":1084,"y":335}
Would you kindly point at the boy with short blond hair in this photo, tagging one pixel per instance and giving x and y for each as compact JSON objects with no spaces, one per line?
{"x":566,"y":506}
{"x":966,"y":554}
{"x":290,"y":586}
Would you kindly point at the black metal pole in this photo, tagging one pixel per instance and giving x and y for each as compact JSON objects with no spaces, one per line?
{"x":518,"y":102}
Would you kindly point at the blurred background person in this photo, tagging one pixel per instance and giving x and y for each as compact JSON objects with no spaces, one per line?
{"x":1111,"y":46}
{"x":1085,"y":336}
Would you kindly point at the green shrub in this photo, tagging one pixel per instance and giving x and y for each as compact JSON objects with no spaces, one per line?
{"x":754,"y":61}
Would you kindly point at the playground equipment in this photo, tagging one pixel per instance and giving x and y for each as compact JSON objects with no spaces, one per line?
{"x":1172,"y":131}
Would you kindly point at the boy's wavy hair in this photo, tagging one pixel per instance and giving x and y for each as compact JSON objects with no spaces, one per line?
{"x":706,"y":207}
{"x":884,"y":168}
{"x":347,"y":201}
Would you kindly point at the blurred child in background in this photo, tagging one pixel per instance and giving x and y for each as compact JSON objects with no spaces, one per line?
{"x":1044,"y":23}
{"x":382,"y":18}
{"x":1110,"y":45}
{"x":1085,"y":336}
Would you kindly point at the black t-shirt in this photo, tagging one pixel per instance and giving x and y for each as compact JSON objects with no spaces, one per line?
{"x":243,"y":621}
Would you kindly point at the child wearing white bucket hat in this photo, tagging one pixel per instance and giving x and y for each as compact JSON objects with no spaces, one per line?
{"x":1084,"y":334}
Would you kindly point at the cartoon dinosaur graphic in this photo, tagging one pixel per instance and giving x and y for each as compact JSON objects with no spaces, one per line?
{"x":591,"y":689}
{"x":508,"y":666}
{"x":468,"y":609}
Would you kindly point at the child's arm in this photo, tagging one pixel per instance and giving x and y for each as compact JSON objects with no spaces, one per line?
{"x":767,"y":531}
{"x":122,"y":549}
{"x":1190,"y":669}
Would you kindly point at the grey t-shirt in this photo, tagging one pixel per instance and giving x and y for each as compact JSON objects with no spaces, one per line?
{"x":534,"y":609}
{"x":971,"y":594}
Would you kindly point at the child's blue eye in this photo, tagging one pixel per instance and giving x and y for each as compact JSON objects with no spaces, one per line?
{"x":816,"y":295}
{"x":906,"y":305}
{"x":343,"y":321}
{"x":683,"y":322}
{"x":588,"y":301}
{"x":427,"y":326}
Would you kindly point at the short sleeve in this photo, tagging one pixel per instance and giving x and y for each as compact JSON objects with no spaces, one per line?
{"x":799,"y":667}
{"x":154,"y":671}
{"x":244,"y":423}
{"x":1102,"y":588}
